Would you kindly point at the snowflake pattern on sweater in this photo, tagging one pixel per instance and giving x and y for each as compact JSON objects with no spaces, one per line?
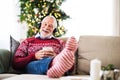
{"x":27,"y":49}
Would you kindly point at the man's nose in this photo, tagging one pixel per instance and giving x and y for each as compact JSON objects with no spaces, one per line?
{"x":46,"y":27}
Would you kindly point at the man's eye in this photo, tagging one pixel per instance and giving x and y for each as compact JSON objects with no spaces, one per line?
{"x":50,"y":26}
{"x":45,"y":24}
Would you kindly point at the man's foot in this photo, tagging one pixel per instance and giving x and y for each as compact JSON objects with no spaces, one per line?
{"x":64,"y":60}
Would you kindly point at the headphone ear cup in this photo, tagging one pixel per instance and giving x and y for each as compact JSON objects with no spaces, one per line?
{"x":39,"y":25}
{"x":54,"y":31}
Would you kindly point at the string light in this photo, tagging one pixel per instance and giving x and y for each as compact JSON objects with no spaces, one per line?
{"x":33,"y":11}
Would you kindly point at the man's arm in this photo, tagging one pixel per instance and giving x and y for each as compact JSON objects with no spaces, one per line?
{"x":21,"y":57}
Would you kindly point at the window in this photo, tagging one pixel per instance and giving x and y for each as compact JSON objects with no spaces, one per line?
{"x":89,"y":17}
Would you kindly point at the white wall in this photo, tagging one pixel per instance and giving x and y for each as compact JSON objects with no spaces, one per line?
{"x":8,"y":23}
{"x":88,"y":17}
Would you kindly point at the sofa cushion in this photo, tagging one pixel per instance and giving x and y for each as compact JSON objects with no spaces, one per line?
{"x":104,"y":48}
{"x":45,"y":77}
{"x":6,"y":76}
{"x":1,"y":67}
{"x":4,"y":60}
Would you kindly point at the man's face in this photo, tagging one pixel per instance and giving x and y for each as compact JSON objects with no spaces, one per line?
{"x":47,"y":27}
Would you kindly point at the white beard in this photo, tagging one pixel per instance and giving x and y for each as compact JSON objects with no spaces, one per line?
{"x":45,"y":36}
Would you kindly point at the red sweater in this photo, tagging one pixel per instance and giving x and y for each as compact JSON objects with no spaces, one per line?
{"x":27,"y":49}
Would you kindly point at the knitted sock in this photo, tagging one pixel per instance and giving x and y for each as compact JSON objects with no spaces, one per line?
{"x":63,"y":61}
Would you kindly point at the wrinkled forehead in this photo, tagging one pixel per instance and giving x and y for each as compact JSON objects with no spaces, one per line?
{"x":48,"y":20}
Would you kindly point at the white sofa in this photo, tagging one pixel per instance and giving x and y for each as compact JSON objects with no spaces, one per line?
{"x":105,"y":48}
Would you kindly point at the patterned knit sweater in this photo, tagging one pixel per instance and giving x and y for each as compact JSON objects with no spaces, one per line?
{"x":27,"y":49}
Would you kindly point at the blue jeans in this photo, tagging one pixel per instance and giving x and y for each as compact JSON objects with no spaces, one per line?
{"x":39,"y":67}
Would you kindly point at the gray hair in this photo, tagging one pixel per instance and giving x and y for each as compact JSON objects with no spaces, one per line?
{"x":55,"y":21}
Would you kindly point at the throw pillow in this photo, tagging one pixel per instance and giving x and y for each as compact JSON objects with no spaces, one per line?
{"x":1,"y":68}
{"x":4,"y":60}
{"x":13,"y":47}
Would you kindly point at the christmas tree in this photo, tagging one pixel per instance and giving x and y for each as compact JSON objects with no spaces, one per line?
{"x":33,"y":11}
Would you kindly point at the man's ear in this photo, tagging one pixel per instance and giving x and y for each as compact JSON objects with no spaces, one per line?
{"x":55,"y":30}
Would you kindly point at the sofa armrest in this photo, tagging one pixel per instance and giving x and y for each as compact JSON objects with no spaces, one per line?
{"x":4,"y":60}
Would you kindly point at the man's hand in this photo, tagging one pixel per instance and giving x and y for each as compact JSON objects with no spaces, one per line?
{"x":42,"y":53}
